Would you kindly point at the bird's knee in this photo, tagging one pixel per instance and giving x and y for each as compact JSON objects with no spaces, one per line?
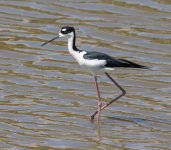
{"x":123,"y":92}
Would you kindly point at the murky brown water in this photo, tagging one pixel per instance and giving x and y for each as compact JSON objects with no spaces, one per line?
{"x":46,"y":98}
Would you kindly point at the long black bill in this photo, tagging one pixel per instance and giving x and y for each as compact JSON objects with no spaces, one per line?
{"x":50,"y":40}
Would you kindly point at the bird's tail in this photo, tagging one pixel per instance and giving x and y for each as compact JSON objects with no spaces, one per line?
{"x":130,"y":64}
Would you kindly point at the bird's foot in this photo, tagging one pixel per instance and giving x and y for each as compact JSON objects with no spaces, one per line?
{"x":92,"y":116}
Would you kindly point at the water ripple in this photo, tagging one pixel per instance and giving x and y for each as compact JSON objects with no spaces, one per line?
{"x":46,"y":99}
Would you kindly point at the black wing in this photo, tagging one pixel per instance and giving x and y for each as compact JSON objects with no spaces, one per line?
{"x":112,"y":62}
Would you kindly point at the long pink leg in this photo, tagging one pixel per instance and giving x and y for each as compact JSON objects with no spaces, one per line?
{"x":122,"y":94}
{"x":99,"y":100}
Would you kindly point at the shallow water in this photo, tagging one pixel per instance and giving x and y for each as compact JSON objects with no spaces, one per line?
{"x":46,"y":99}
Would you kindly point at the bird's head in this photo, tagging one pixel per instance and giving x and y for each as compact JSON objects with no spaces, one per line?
{"x":65,"y":31}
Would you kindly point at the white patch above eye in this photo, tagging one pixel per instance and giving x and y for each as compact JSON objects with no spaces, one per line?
{"x":64,"y":29}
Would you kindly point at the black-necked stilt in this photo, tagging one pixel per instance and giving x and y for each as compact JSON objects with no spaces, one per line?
{"x":95,"y":61}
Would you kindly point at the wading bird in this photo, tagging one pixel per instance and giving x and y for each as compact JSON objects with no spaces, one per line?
{"x":95,"y":62}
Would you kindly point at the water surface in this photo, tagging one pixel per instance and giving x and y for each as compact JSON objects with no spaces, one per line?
{"x":46,"y":99}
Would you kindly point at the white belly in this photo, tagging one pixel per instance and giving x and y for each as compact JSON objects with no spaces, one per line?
{"x":95,"y":66}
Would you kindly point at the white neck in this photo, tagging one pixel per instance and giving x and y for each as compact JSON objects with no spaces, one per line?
{"x":71,"y":42}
